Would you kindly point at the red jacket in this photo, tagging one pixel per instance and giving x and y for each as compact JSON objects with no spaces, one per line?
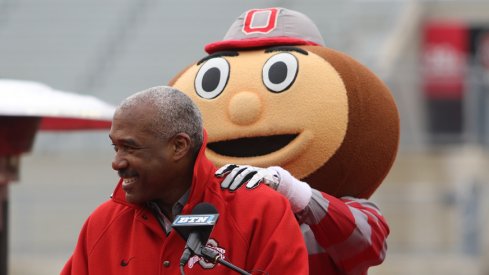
{"x":254,"y":234}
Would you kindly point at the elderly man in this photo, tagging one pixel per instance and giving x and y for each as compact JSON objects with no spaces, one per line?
{"x":159,"y":148}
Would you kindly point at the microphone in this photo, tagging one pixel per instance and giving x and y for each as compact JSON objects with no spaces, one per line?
{"x":195,"y":229}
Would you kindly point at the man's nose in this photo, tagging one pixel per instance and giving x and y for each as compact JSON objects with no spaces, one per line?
{"x":119,"y":163}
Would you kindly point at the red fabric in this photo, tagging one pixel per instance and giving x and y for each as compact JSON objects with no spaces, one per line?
{"x":445,"y":50}
{"x":255,"y":43}
{"x":17,"y":134}
{"x":67,"y":124}
{"x":255,"y":234}
{"x":320,"y":264}
{"x":351,"y":238}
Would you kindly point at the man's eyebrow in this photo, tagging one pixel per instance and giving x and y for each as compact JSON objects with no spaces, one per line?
{"x":218,"y":54}
{"x":127,"y":141}
{"x":286,"y":49}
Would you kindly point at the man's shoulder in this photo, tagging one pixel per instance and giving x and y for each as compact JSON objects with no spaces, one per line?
{"x":260,"y":197}
{"x":109,"y":211}
{"x":256,"y":211}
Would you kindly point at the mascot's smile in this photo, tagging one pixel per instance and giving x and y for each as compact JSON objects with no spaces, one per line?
{"x":281,"y":149}
{"x":251,"y":147}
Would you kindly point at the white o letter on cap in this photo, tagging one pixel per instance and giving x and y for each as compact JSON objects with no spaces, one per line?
{"x":254,"y":21}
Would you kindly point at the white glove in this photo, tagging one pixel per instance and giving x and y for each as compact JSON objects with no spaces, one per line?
{"x":297,"y":192}
{"x":237,"y":175}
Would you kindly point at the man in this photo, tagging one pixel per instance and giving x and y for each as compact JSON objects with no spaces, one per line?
{"x":159,"y":147}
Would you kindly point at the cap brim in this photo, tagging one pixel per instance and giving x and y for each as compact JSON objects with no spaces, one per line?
{"x":254,"y":43}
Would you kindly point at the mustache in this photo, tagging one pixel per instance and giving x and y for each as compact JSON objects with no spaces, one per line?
{"x":126,"y":173}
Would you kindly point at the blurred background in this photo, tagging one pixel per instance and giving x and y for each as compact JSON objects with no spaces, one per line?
{"x":434,"y":55}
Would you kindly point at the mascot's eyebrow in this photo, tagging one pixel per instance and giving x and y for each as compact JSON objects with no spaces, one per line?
{"x":218,"y":54}
{"x":286,"y":49}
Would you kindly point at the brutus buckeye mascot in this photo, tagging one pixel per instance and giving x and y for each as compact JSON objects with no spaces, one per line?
{"x":323,"y":127}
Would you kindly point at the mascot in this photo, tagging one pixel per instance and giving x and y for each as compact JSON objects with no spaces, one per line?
{"x":323,"y":126}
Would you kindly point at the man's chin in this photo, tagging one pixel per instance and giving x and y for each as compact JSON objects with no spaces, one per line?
{"x":131,"y":198}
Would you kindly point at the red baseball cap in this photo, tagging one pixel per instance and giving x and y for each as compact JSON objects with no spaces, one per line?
{"x":268,"y":27}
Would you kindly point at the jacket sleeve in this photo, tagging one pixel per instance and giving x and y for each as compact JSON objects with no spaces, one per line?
{"x":276,"y":243}
{"x":78,"y":262}
{"x":351,"y":231}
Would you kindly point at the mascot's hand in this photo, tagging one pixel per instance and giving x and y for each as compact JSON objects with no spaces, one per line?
{"x":237,"y":175}
{"x":297,"y":192}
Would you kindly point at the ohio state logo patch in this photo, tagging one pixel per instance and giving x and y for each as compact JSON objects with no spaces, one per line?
{"x":211,"y":243}
{"x":260,"y":21}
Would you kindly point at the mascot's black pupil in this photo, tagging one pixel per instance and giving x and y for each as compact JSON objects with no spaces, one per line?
{"x":211,"y":79}
{"x":277,"y":72}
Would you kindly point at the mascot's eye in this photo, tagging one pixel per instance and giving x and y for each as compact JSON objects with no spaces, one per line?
{"x":212,"y":78}
{"x":279,"y":72}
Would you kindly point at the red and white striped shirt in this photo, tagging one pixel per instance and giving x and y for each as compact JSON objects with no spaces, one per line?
{"x":343,"y":235}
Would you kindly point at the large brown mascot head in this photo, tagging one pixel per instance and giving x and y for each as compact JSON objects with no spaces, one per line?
{"x":272,"y":94}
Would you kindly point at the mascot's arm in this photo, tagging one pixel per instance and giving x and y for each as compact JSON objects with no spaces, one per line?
{"x":297,"y":192}
{"x":352,"y":232}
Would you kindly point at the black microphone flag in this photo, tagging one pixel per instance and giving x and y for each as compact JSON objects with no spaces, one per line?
{"x":197,"y":227}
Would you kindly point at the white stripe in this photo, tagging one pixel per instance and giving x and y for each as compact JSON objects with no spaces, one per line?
{"x":316,"y":210}
{"x":358,"y":241}
{"x":313,"y":247}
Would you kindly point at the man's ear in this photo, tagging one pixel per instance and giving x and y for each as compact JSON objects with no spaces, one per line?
{"x":181,"y":145}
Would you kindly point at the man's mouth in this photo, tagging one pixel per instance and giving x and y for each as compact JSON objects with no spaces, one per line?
{"x":251,"y":147}
{"x":128,"y":181}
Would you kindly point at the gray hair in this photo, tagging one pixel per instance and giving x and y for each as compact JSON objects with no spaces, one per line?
{"x":175,"y":113}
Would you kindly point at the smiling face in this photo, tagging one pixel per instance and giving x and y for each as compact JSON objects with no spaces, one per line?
{"x":142,"y":159}
{"x":285,"y":107}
